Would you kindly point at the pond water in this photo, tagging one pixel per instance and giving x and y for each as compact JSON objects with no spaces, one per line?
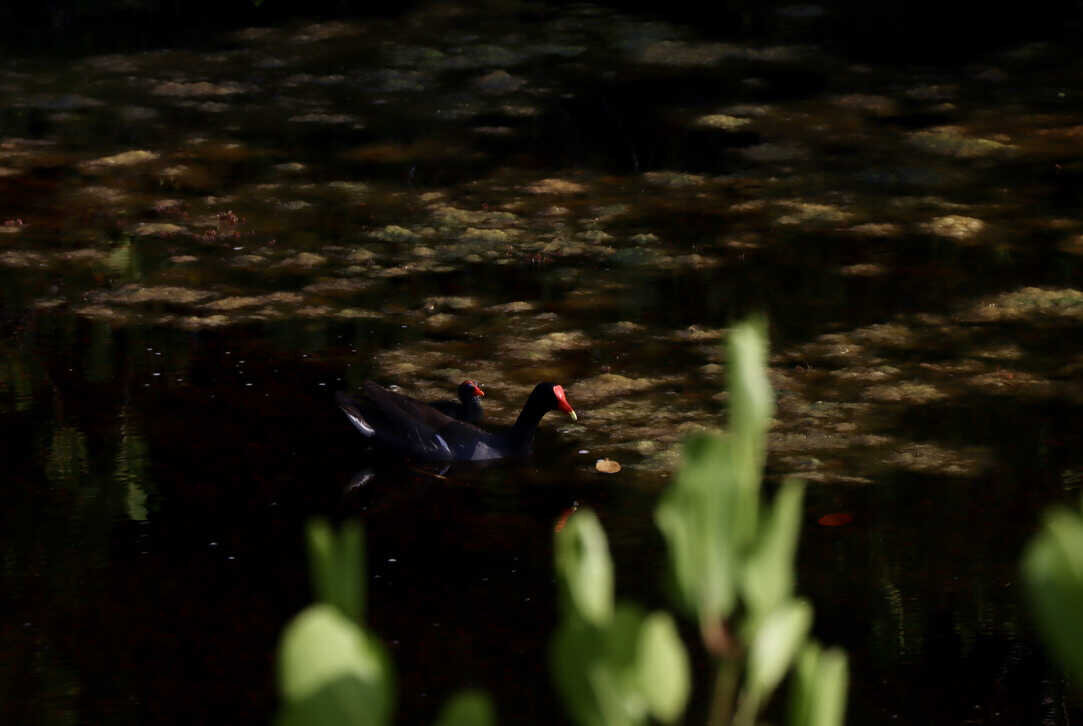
{"x":198,"y":249}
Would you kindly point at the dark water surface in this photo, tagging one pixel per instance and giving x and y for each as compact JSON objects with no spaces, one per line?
{"x":197,"y":249}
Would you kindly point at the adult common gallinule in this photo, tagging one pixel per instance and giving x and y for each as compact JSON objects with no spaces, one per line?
{"x":469,"y":407}
{"x":420,"y":431}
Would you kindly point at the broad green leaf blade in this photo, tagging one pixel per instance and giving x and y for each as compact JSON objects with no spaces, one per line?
{"x":1053,"y":573}
{"x":802,"y":685}
{"x":664,"y":674}
{"x":595,"y":669}
{"x":751,"y":407}
{"x":616,"y":682}
{"x":468,"y":708}
{"x":576,"y":649}
{"x":585,"y":568}
{"x":696,"y":516}
{"x":818,"y":694}
{"x":752,"y":402}
{"x":775,"y":644}
{"x":710,"y":515}
{"x":829,"y":697}
{"x":331,"y":671}
{"x":767,"y":577}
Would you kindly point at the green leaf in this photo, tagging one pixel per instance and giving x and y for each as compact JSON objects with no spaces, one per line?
{"x":752,"y":402}
{"x":1053,"y":573}
{"x":584,"y":567}
{"x":818,"y":692}
{"x":829,"y":702}
{"x":774,"y":646}
{"x":664,"y":674}
{"x":337,"y":568}
{"x":710,"y":515}
{"x":768,"y":573}
{"x":576,"y":648}
{"x":468,"y":708}
{"x":696,"y":516}
{"x":331,"y":672}
{"x":596,"y":669}
{"x":751,"y":405}
{"x":802,"y":685}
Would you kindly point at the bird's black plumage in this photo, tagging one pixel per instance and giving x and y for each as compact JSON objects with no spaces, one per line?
{"x":417,"y":430}
{"x":469,"y":406}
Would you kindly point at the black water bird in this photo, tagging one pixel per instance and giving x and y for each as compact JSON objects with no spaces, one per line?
{"x":417,"y":430}
{"x":469,"y":407}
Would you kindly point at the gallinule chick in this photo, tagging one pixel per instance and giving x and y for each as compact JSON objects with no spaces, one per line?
{"x":419,"y":431}
{"x":469,"y":407}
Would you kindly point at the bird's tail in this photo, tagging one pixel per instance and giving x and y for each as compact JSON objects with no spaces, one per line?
{"x":349,"y":406}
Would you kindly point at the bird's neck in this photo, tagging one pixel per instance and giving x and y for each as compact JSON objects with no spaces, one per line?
{"x":522,"y":433}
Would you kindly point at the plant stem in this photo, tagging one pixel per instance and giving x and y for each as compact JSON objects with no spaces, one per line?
{"x":725,"y":687}
{"x":746,"y":711}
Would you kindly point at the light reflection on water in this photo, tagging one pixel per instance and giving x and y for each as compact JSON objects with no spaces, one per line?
{"x":197,"y":252}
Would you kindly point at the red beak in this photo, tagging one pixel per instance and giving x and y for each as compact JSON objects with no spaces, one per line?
{"x":562,"y":402}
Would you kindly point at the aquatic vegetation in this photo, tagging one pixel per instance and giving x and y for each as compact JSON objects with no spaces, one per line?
{"x":1030,"y":303}
{"x":556,"y":186}
{"x":158,"y":229}
{"x":955,"y":226}
{"x":304,"y":260}
{"x":180,"y":89}
{"x":804,"y":213}
{"x":499,"y":82}
{"x":126,"y":158}
{"x":674,"y":179}
{"x":1053,"y":573}
{"x":723,"y":122}
{"x":331,"y":669}
{"x":954,"y":141}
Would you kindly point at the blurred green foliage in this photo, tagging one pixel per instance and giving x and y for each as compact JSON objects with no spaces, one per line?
{"x":613,"y":663}
{"x":1053,"y":576}
{"x":733,"y":567}
{"x":331,"y":669}
{"x":336,"y":564}
{"x":468,"y":708}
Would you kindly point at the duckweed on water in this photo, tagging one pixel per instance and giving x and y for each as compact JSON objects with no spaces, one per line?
{"x":127,"y":158}
{"x":1030,"y":303}
{"x":905,"y":392}
{"x":723,"y":122}
{"x":158,"y":229}
{"x":358,"y":240}
{"x":556,"y":186}
{"x":953,"y":141}
{"x":955,"y":226}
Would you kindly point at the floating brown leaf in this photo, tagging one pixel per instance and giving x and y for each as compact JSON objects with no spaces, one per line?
{"x":607,"y":466}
